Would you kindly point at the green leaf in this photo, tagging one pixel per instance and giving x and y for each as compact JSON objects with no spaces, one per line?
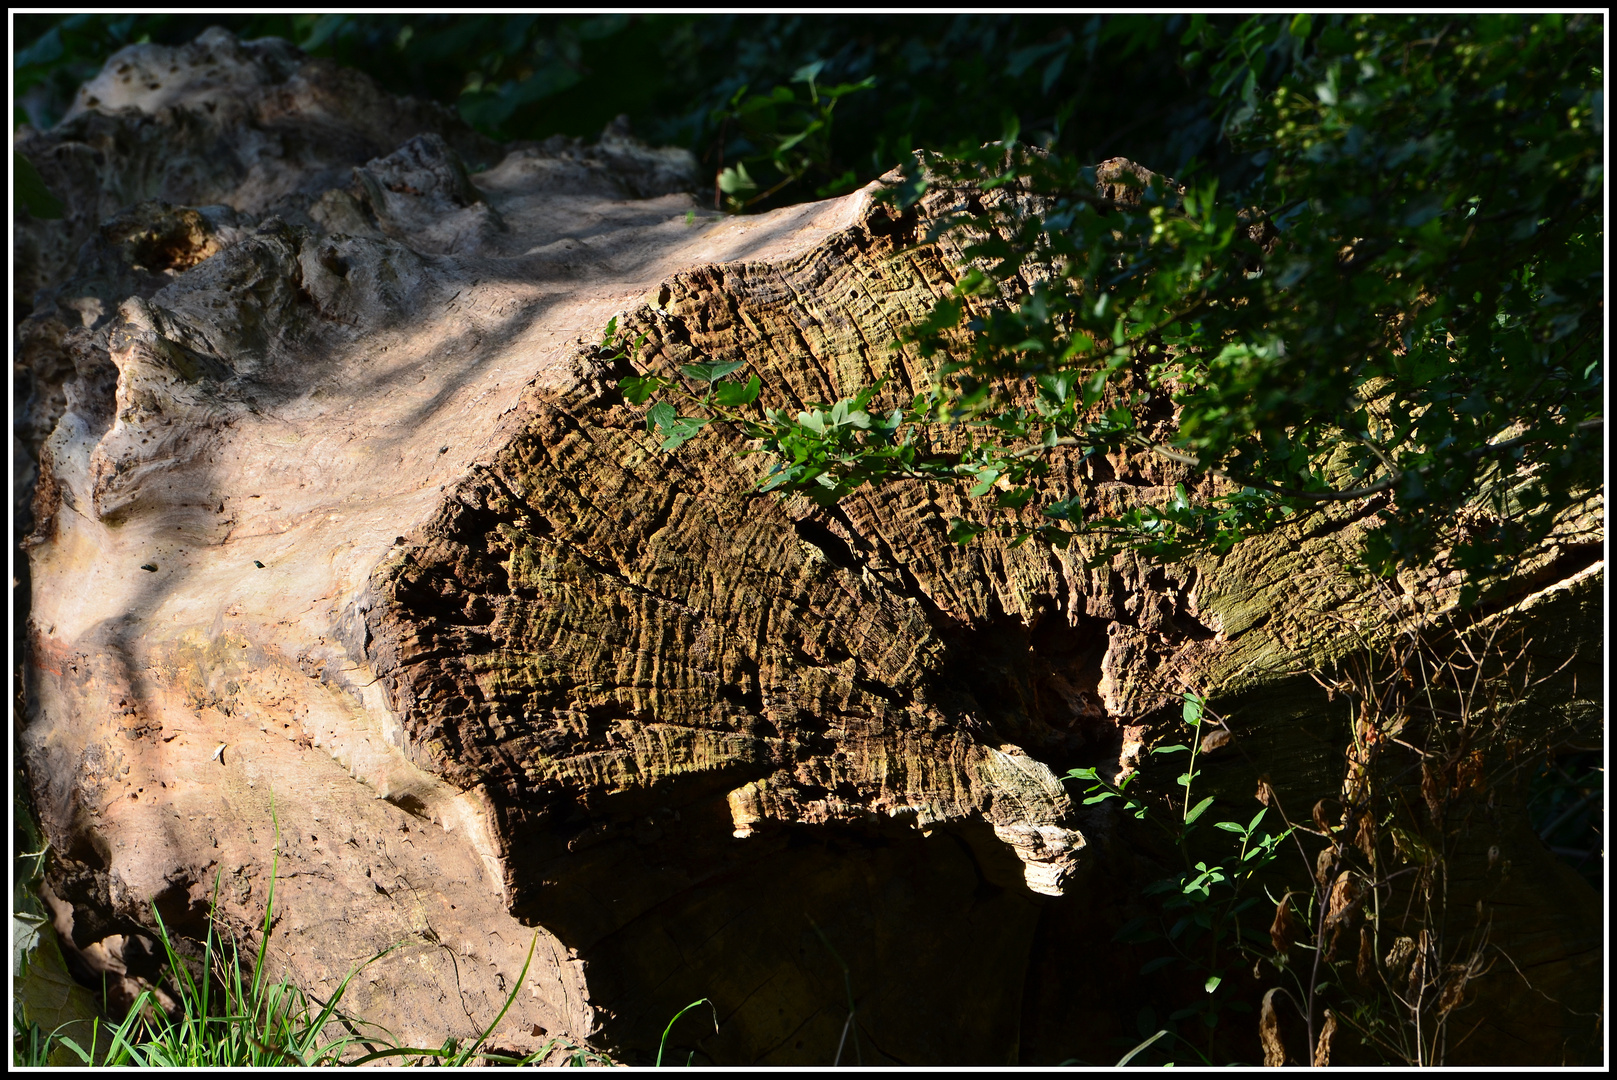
{"x":1212,"y":983}
{"x":732,"y":394}
{"x":661,"y":415}
{"x":735,"y":180}
{"x":1156,"y":965}
{"x":808,"y":72}
{"x":1230,"y":826}
{"x":1174,"y":749}
{"x":30,"y":191}
{"x":1014,"y":499}
{"x":44,"y":992}
{"x":1193,"y":709}
{"x":47,"y":48}
{"x":963,"y":532}
{"x":1197,"y":810}
{"x":637,"y":389}
{"x":711,"y":372}
{"x":682,"y":431}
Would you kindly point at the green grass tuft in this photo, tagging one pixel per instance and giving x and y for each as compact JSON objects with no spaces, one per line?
{"x":233,"y":1015}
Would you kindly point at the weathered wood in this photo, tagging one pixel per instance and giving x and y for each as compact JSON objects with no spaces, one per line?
{"x":337,"y":477}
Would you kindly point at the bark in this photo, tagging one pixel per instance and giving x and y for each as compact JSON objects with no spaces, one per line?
{"x":333,"y":472}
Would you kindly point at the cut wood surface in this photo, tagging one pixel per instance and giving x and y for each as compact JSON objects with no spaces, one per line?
{"x":345,"y":546}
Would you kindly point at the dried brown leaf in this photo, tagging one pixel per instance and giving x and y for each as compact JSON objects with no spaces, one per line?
{"x":1320,"y":819}
{"x":1336,"y":939}
{"x":1215,"y":739}
{"x":1367,"y":956}
{"x":1366,"y":838}
{"x":1417,"y":969}
{"x":1469,"y":772}
{"x":1402,"y":951}
{"x":1455,"y":978}
{"x":1346,"y":893}
{"x":1324,"y":867}
{"x":1266,"y":794}
{"x":1274,"y":1051}
{"x":1322,"y":1052}
{"x":1434,"y":789}
{"x":1284,"y":930}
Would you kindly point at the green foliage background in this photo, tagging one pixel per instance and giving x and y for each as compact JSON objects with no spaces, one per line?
{"x":1096,"y":86}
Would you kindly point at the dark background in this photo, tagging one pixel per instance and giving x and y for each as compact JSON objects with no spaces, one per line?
{"x":1094,"y":86}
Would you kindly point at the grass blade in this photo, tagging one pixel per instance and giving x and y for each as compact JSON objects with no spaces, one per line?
{"x":521,"y":978}
{"x":1128,"y":1057}
{"x":669,"y":1029}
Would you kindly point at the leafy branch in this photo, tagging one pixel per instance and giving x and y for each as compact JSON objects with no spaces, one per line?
{"x":1381,"y":314}
{"x":789,"y":136}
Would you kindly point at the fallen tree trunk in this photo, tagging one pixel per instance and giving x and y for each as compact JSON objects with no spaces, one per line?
{"x":345,"y":547}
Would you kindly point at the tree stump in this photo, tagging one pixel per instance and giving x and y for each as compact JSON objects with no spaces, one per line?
{"x":346,"y":551}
